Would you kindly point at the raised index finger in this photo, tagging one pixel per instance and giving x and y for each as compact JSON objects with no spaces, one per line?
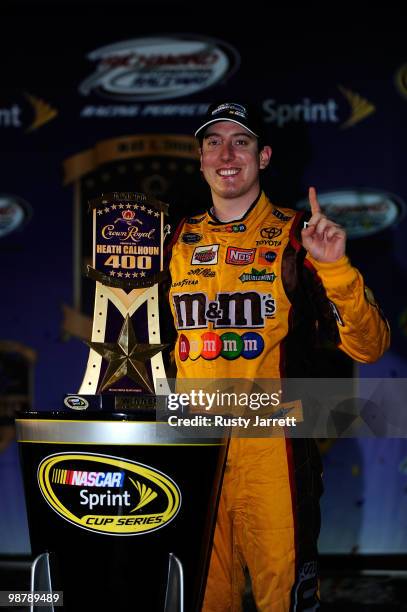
{"x":312,"y":195}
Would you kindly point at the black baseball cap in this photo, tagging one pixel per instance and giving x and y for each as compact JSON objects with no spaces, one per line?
{"x":236,"y":112}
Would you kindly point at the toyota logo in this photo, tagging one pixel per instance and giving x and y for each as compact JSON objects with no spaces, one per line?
{"x":270,"y":232}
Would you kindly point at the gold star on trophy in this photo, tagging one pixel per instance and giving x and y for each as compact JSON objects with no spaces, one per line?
{"x":126,"y":357}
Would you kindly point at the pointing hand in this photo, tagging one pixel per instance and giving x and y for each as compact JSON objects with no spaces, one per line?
{"x":322,"y":238}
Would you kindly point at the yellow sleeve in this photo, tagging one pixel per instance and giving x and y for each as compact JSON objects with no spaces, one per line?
{"x":364,"y":331}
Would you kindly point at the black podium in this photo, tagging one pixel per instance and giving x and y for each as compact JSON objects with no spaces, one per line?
{"x":121,"y":509}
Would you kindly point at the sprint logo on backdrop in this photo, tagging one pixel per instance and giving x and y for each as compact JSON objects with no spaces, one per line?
{"x":326,"y":111}
{"x":28,"y":114}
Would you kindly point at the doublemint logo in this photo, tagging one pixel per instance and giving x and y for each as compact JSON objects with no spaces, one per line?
{"x":257,"y":275}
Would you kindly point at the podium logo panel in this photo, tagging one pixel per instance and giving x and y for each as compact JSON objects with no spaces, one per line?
{"x":108,"y":495}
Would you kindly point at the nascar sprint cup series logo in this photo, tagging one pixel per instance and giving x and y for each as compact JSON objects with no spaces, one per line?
{"x":108,"y":494}
{"x":159,"y":68}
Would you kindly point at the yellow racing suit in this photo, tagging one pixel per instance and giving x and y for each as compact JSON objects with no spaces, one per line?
{"x":246,"y":301}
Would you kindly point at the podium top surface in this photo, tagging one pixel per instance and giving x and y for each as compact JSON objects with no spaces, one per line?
{"x":108,"y":429}
{"x":88,"y":415}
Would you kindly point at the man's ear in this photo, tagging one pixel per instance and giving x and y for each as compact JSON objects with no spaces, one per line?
{"x":264,"y":157}
{"x":200,"y":158}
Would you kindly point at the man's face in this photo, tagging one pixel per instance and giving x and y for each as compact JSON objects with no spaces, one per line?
{"x":230,"y":160}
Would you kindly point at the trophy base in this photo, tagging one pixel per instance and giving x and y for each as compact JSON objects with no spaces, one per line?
{"x":129,"y":403}
{"x":110,"y":403}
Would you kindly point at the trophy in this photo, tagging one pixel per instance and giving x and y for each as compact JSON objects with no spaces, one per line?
{"x":125,"y":367}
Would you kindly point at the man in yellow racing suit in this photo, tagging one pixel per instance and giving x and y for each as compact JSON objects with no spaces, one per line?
{"x":250,"y":284}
